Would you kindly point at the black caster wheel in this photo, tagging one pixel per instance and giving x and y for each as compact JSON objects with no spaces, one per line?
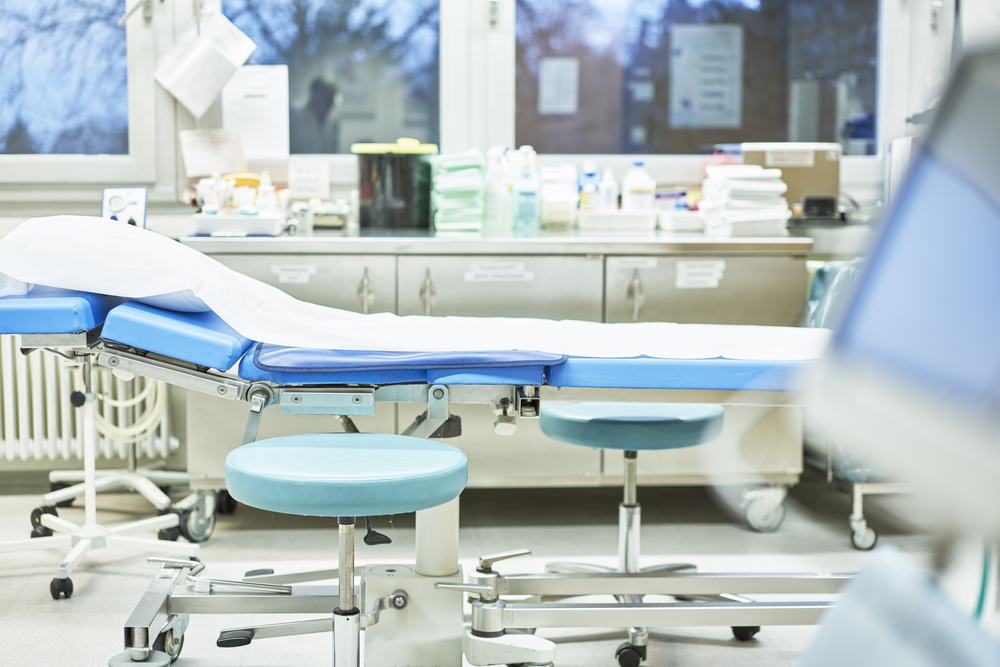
{"x":864,"y":541}
{"x":37,"y":529}
{"x":196,"y":526}
{"x":224,"y":503}
{"x":170,"y":644}
{"x":56,"y":486}
{"x":169,"y":534}
{"x":629,"y":655}
{"x":745,"y":633}
{"x":61,"y":586}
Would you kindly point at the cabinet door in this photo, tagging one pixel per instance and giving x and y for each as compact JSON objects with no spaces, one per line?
{"x":348,"y":282}
{"x":706,"y":290}
{"x":552,"y":287}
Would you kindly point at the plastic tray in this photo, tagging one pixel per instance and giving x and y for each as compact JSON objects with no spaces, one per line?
{"x":612,"y":220}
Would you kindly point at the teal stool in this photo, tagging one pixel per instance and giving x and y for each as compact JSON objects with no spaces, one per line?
{"x":631,"y":427}
{"x":346,"y":475}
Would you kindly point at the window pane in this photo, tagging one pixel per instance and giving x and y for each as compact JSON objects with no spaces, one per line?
{"x":63,"y":77}
{"x":679,"y":76}
{"x":358,"y":70}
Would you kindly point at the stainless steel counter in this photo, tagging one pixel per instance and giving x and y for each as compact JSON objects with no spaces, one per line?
{"x":573,"y":242}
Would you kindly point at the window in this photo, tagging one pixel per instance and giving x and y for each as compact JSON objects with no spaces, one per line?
{"x":358,"y":70}
{"x":681,"y":76}
{"x":63,"y":78}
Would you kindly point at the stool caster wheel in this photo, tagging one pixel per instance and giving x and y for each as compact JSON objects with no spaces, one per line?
{"x":170,"y":644}
{"x":37,"y":529}
{"x":629,"y":655}
{"x":764,"y":516}
{"x":745,"y":633}
{"x":195,"y":525}
{"x":169,"y":534}
{"x":224,"y":503}
{"x":56,"y":486}
{"x":61,"y":586}
{"x":864,"y":541}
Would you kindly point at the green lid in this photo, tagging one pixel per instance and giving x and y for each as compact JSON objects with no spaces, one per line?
{"x":401,"y":147}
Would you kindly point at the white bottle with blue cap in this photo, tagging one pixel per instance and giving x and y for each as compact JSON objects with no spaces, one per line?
{"x":638,"y":189}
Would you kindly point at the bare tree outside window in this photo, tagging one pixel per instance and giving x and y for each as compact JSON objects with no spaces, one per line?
{"x":358,"y":70}
{"x":63,"y":85}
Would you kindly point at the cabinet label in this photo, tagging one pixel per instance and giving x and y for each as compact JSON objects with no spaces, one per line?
{"x":298,"y":273}
{"x":498,"y":272}
{"x":789,"y":158}
{"x":632,"y":262}
{"x":703,"y":274}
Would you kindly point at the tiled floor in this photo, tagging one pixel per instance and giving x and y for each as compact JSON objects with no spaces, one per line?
{"x":565,"y":524}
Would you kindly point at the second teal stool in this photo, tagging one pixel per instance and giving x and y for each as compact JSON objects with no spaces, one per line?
{"x":632,"y":427}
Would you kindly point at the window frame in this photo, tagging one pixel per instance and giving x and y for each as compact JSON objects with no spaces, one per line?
{"x":139,"y":166}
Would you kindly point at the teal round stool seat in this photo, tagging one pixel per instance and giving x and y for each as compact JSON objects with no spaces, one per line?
{"x":632,"y":426}
{"x":345,"y":474}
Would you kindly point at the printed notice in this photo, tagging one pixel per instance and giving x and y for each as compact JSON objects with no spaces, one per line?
{"x":632,"y":262}
{"x":499,"y":272}
{"x":308,"y":177}
{"x":558,"y":85}
{"x":700,"y":274}
{"x":706,"y":76}
{"x":789,"y":158}
{"x":255,"y":102}
{"x":298,"y":273}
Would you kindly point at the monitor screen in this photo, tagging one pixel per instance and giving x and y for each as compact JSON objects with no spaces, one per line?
{"x":927,"y":309}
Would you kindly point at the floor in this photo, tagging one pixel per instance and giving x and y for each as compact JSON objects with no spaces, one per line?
{"x":679,"y":524}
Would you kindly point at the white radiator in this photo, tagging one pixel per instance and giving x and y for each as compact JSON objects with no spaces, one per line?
{"x":37,"y":420}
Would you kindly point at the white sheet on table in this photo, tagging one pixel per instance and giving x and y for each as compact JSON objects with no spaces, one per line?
{"x":107,"y":257}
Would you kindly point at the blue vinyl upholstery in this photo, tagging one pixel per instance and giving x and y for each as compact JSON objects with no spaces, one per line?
{"x":650,"y":373}
{"x":290,"y":365}
{"x":632,"y":426}
{"x":198,"y":338}
{"x":47,"y":310}
{"x":342,"y":474}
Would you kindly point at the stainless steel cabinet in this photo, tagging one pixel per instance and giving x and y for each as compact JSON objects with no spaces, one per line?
{"x":707,"y":290}
{"x":549,"y":286}
{"x":362,"y":283}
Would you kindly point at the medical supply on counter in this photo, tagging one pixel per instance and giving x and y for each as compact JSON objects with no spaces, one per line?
{"x":608,"y":192}
{"x":589,"y":198}
{"x":498,"y":215}
{"x":616,"y":220}
{"x":680,"y":220}
{"x":236,"y":224}
{"x":638,"y":188}
{"x":267,"y":200}
{"x":588,"y":175}
{"x":458,"y":197}
{"x":526,"y":193}
{"x":559,"y":195}
{"x":744,"y":200}
{"x":387,"y":181}
{"x":811,"y":170}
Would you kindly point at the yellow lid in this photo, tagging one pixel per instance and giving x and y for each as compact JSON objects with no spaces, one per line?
{"x":243,"y":177}
{"x":401,"y":147}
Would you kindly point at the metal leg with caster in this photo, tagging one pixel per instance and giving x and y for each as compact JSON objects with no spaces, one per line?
{"x":49,"y":531}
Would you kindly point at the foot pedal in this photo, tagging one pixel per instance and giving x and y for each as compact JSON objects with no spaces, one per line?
{"x":258,"y":573}
{"x":234,"y":638}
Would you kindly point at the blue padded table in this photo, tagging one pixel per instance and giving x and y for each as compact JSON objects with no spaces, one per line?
{"x":48,"y":310}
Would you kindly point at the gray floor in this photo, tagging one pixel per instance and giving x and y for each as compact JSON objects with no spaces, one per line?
{"x":679,"y":524}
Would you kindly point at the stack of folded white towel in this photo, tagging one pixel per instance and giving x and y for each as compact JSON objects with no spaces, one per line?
{"x":458,"y":185}
{"x":744,"y":200}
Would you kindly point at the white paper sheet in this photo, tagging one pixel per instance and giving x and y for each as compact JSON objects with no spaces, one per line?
{"x":206,"y":152}
{"x":97,"y":255}
{"x":706,"y":76}
{"x":255,"y":103}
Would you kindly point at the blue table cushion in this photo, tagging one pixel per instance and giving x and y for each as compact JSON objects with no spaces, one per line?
{"x":198,"y":338}
{"x":345,"y":474}
{"x":296,"y":365}
{"x":651,"y":373}
{"x":48,"y":310}
{"x":632,"y":426}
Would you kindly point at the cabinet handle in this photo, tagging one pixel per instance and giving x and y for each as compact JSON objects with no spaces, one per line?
{"x":635,"y":296}
{"x":427,"y":293}
{"x":366,"y":294}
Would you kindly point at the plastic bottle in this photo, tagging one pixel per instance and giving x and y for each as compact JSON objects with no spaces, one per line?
{"x":638,"y":189}
{"x":607,"y":192}
{"x":526,"y":199}
{"x":589,"y":197}
{"x":498,"y":217}
{"x":589,"y":175}
{"x":267,"y":200}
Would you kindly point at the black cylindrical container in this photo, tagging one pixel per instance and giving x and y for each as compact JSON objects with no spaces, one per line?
{"x":394,"y":184}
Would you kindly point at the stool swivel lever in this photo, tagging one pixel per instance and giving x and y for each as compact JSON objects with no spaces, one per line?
{"x":373,"y":537}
